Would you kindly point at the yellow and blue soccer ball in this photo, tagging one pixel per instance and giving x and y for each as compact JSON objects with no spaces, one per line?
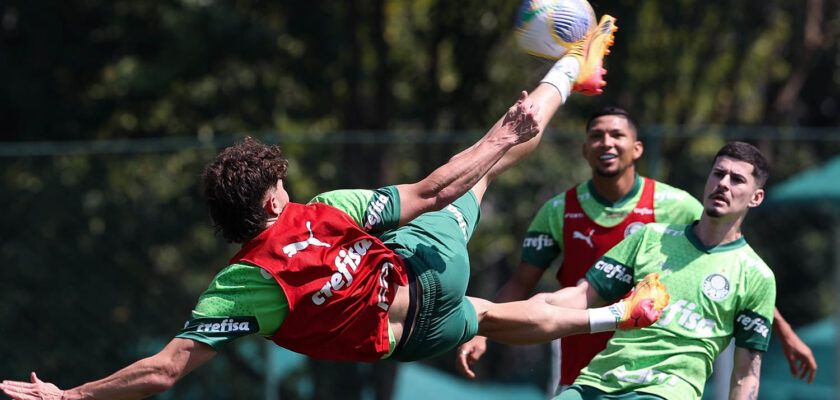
{"x":549,"y":28}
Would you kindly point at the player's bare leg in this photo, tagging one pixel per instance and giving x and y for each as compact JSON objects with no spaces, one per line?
{"x":580,"y":70}
{"x":534,"y":321}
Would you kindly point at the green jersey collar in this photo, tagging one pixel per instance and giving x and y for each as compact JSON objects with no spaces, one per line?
{"x":637,"y":186}
{"x":692,"y":237}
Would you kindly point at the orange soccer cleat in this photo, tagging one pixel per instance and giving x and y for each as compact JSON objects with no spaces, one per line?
{"x":644,"y":305}
{"x":590,"y":52}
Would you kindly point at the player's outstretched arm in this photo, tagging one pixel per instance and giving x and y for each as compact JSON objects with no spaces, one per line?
{"x":745,"y":374}
{"x":449,"y":182}
{"x":141,"y":379}
{"x":799,"y":356}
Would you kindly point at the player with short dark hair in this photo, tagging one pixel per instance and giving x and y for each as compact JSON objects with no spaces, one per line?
{"x":720,"y":289}
{"x":586,"y":221}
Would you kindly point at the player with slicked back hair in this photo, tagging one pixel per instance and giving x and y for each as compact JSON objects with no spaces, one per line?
{"x":720,"y":289}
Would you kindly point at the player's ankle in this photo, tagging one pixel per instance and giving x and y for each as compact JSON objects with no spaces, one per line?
{"x":562,"y":74}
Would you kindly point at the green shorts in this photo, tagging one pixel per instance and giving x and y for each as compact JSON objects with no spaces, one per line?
{"x":583,"y":392}
{"x":435,"y":248}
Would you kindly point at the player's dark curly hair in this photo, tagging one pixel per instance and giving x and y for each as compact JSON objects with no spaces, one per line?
{"x":235,"y":185}
{"x":750,"y":154}
{"x":612,"y":110}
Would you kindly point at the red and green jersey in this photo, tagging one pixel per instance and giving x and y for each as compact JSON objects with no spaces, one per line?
{"x":717,"y":293}
{"x":583,"y":226}
{"x":339,"y":282}
{"x":544,"y":242}
{"x":245,"y":299}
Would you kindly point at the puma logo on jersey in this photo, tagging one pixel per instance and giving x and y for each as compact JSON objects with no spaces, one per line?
{"x":586,"y":238}
{"x":292,"y":249}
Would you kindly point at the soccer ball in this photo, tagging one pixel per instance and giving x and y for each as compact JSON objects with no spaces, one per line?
{"x":548,"y":28}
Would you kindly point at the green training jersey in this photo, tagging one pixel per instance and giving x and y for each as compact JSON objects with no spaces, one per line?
{"x":716,"y":293}
{"x":544,"y":239}
{"x":244,"y":299}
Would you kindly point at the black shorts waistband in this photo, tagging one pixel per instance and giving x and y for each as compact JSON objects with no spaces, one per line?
{"x":412,"y":307}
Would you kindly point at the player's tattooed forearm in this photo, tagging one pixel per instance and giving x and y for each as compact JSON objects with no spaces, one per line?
{"x":755,"y":363}
{"x":755,"y":371}
{"x":753,"y":392}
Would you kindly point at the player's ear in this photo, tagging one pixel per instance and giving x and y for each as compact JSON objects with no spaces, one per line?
{"x":757,"y":198}
{"x":638,"y":149}
{"x":272,"y":203}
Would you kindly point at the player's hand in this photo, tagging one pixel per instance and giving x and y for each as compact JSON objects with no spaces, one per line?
{"x":37,"y":389}
{"x":799,"y":356}
{"x":644,"y":305}
{"x":522,"y":120}
{"x":468,"y":354}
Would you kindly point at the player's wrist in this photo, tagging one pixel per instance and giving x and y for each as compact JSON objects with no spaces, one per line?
{"x":606,"y":319}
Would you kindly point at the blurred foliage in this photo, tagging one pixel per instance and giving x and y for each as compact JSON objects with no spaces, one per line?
{"x":105,"y":254}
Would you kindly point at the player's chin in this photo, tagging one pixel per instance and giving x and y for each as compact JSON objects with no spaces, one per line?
{"x":608,"y":172}
{"x":713,"y":211}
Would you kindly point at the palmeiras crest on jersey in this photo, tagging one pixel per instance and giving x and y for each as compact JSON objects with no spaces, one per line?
{"x":716,"y":287}
{"x":633,"y":228}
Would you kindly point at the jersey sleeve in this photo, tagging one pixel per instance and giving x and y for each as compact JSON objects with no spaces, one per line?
{"x":754,"y":317}
{"x":241,"y":300}
{"x":544,"y":238}
{"x":612,"y":276}
{"x":675,"y":206}
{"x":373,"y":210}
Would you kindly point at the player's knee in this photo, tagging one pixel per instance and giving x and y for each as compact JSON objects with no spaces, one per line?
{"x":481,"y":307}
